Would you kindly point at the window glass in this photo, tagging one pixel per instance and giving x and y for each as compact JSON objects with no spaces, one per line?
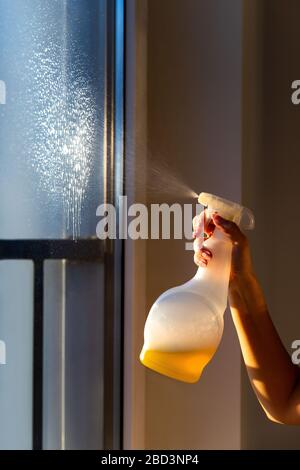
{"x":52,"y":63}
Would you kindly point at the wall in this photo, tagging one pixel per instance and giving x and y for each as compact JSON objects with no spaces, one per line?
{"x":194,"y":119}
{"x":206,"y":63}
{"x":271,"y":167}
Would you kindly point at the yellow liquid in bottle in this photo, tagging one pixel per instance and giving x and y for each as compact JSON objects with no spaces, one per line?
{"x":186,"y":366}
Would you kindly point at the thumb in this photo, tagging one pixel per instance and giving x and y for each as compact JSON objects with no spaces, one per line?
{"x":230,"y":228}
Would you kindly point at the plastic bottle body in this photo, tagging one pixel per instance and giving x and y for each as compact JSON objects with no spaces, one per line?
{"x":185,"y":325}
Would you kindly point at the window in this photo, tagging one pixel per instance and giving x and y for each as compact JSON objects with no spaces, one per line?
{"x":61,"y":147}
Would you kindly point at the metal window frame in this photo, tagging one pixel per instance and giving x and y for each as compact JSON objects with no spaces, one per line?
{"x":114,"y":258}
{"x":109,"y":252}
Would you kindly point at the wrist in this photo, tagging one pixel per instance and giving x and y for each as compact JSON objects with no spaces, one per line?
{"x":245,"y":294}
{"x":243,"y":279}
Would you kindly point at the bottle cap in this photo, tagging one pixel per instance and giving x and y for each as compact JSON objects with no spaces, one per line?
{"x":229,"y":210}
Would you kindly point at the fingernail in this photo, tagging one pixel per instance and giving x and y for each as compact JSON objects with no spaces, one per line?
{"x":205,"y":251}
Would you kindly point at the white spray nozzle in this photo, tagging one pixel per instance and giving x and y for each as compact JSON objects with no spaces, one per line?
{"x":229,"y":210}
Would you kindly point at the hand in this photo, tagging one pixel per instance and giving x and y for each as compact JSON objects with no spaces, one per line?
{"x":241,"y":265}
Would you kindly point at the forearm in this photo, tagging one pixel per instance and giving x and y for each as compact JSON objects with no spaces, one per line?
{"x":273,"y":376}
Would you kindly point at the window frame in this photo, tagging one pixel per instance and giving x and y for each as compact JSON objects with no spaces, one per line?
{"x":108,"y":252}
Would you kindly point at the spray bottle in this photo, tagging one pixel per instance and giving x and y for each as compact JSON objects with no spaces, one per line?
{"x":185,"y":324}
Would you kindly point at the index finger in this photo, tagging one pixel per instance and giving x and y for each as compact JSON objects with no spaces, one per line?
{"x":198,"y":224}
